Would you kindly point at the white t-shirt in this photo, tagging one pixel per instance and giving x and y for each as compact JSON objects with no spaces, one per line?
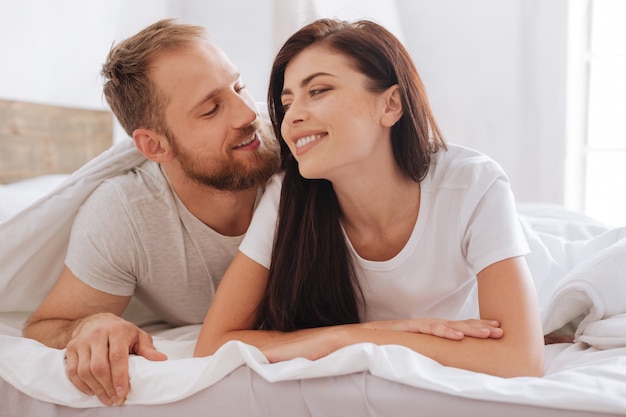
{"x":467,"y":221}
{"x":134,"y":236}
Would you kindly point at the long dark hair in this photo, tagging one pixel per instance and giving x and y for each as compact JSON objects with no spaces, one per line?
{"x":312,"y":281}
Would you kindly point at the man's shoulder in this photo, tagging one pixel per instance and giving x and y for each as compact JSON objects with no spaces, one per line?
{"x":143,"y":180}
{"x":140,"y":185}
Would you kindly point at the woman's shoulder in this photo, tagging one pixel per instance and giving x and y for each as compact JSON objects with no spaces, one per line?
{"x":461,"y":156}
{"x":274,"y":185}
{"x":269,"y":195}
{"x":461,"y":167}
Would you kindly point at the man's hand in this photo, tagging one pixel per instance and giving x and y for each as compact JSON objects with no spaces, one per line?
{"x":97,"y":355}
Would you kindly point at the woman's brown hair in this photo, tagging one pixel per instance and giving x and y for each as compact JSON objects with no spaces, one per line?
{"x":312,"y":281}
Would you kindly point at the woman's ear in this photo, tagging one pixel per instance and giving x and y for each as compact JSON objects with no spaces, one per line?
{"x":393,"y":106}
{"x":154,"y":147}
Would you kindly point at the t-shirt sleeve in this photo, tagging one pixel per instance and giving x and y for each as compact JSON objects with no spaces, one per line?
{"x":493,"y":232}
{"x":103,"y":248}
{"x":259,"y":240}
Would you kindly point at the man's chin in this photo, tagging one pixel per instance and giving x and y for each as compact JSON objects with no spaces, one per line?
{"x":234,"y":183}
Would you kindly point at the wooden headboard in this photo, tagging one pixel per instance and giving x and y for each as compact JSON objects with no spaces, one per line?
{"x":37,"y":139}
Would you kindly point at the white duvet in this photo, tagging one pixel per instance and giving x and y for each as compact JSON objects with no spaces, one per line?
{"x":579,"y":268}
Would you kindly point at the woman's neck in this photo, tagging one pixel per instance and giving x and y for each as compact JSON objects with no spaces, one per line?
{"x":379,"y":212}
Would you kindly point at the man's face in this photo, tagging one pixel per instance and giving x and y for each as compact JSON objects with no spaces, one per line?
{"x":213,"y":126}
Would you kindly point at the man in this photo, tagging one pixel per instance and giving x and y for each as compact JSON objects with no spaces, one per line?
{"x":167,"y":230}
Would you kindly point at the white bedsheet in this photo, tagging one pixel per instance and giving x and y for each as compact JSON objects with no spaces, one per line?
{"x":578,"y":378}
{"x":581,"y":281}
{"x":34,"y":241}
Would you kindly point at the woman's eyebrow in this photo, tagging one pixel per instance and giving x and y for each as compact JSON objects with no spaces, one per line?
{"x":306,"y":81}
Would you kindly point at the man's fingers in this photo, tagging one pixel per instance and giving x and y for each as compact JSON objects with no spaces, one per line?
{"x":118,"y":359}
{"x":89,"y":366}
{"x":145,"y":347}
{"x":83,"y":374}
{"x":97,"y":356}
{"x":100,"y":369}
{"x":71,"y":368}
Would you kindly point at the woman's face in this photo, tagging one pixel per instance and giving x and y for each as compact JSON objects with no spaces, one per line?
{"x":332,"y":122}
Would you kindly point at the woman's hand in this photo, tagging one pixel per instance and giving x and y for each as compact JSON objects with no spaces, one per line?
{"x":447,"y":329}
{"x":326,"y":340}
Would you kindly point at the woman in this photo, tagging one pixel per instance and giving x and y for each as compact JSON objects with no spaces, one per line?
{"x":381,"y":225}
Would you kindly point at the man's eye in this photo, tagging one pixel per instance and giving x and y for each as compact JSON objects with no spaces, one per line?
{"x":211,"y":112}
{"x":240,"y":87}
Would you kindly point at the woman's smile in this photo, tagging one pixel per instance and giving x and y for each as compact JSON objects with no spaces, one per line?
{"x":308,"y":139}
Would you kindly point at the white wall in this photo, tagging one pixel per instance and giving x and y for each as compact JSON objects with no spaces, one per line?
{"x":495,"y":74}
{"x":52,"y":51}
{"x":494,"y":69}
{"x":242,"y":28}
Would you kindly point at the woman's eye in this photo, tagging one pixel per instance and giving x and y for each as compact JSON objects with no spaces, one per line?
{"x":286,"y":106}
{"x":318,"y":91}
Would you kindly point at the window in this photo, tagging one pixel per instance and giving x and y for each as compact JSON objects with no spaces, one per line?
{"x":597,"y":110}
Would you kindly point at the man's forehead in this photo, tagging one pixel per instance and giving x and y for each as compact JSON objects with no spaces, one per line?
{"x":178,"y":55}
{"x":191,"y":80}
{"x":200,"y":66}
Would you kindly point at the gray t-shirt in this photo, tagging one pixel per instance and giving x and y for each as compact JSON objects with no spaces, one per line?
{"x":134,"y":236}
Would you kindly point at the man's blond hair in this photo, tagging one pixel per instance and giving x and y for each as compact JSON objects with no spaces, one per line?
{"x":133,"y":98}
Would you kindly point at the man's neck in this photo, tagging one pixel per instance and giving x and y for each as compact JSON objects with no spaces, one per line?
{"x":227,"y":212}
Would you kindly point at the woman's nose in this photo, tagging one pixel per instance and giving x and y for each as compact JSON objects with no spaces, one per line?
{"x":296,"y":113}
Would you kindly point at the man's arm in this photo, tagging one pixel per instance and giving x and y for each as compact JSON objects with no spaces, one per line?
{"x":98,"y":342}
{"x":67,"y":305}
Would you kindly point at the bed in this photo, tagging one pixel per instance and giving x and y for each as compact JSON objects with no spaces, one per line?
{"x":578,"y":264}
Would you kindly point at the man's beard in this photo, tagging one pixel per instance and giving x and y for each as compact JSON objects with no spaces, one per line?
{"x":231,"y":174}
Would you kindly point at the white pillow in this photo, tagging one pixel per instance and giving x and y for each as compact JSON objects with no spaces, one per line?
{"x":607,"y":333}
{"x":16,"y":196}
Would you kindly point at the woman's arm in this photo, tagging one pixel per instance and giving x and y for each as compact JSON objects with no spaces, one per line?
{"x":233,"y":313}
{"x":505,"y":293}
{"x":233,"y":310}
